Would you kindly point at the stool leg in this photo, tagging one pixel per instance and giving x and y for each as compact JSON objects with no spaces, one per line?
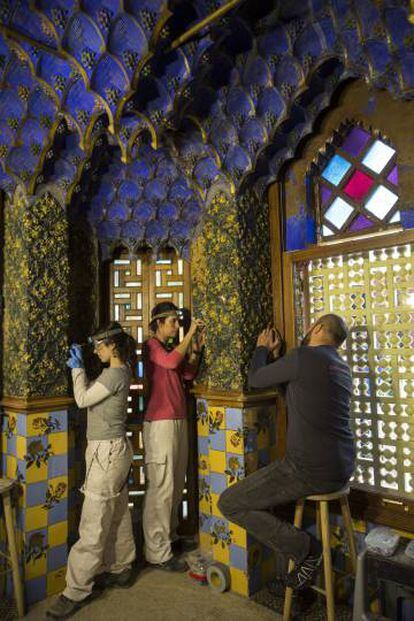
{"x":11,"y":539}
{"x":346,"y":515}
{"x":300,"y":505}
{"x":327,"y":562}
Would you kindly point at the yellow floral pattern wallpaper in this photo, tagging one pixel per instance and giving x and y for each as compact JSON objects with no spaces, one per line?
{"x":36,"y":297}
{"x":232,"y":285}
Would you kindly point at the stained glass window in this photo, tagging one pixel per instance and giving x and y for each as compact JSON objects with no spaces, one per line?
{"x":357,"y":188}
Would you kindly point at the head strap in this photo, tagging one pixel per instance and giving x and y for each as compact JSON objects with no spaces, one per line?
{"x":171,"y":313}
{"x":101,"y":336}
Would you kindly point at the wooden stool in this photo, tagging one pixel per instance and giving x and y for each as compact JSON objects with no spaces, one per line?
{"x":322,"y":501}
{"x":6,"y":486}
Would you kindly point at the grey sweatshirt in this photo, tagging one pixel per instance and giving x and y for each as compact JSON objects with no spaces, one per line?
{"x":318,"y":395}
{"x":106,"y":399}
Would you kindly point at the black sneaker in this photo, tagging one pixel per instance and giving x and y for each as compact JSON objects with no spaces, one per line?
{"x":173,"y":564}
{"x":63,"y":608}
{"x":304,"y":573}
{"x":124,"y":580}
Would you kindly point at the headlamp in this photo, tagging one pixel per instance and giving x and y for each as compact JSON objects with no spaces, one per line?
{"x":96,"y":339}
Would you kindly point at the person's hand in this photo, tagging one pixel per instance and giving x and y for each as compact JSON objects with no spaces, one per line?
{"x":75,"y":360}
{"x":198,"y":340}
{"x":269,"y":338}
{"x":196,"y":324}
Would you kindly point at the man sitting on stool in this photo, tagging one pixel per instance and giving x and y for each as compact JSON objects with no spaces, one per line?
{"x":320,"y":452}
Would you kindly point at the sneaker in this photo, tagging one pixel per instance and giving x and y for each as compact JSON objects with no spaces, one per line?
{"x":63,"y":608}
{"x":124,"y":580}
{"x":303,"y":574}
{"x":173,"y":564}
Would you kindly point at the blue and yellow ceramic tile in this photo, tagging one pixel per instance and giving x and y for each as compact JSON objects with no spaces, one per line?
{"x":239,"y":581}
{"x":202,"y":418}
{"x":204,"y":494}
{"x":218,"y":483}
{"x":56,"y":581}
{"x":234,"y":468}
{"x":235,"y":441}
{"x":216,"y":419}
{"x":58,"y":533}
{"x":234,"y":418}
{"x":217,"y":460}
{"x":238,"y":536}
{"x":35,"y":518}
{"x":11,"y":466}
{"x":58,"y":443}
{"x":45,"y":424}
{"x":35,"y":589}
{"x":214,"y":508}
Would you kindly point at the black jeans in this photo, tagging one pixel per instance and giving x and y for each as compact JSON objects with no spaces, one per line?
{"x":246,"y":503}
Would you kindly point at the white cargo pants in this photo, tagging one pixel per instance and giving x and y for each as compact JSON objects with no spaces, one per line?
{"x":166,"y":458}
{"x":106,"y":541}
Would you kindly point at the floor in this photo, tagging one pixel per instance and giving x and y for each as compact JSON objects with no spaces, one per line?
{"x":161,"y":596}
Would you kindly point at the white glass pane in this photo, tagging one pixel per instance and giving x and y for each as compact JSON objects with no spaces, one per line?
{"x":339,"y":212}
{"x":381,"y":202}
{"x":378,"y":156}
{"x":396,"y":217}
{"x":326,"y":232}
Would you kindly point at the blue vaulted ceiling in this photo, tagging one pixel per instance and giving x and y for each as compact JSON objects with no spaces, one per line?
{"x":94,"y":85}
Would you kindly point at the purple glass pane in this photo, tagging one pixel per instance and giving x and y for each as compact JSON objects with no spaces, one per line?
{"x":355,"y":141}
{"x":325,"y":194}
{"x":361,"y":222}
{"x":393,"y":176}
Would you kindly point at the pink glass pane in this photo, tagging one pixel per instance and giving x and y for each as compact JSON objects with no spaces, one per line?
{"x":359,"y":185}
{"x":325,"y":194}
{"x":355,"y":141}
{"x":393,"y":176}
{"x":361,"y":222}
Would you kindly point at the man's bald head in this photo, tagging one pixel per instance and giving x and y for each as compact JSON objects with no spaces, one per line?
{"x":335,"y":327}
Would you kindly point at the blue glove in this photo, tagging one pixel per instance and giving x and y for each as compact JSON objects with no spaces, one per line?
{"x":75,"y":360}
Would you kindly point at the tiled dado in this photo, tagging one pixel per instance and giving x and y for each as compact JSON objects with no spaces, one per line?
{"x":235,"y":438}
{"x":35,"y":451}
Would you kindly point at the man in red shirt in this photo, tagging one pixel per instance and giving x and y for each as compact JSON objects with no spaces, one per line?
{"x":165,"y":431}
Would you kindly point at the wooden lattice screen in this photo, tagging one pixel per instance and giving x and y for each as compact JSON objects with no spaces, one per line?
{"x":374,"y":291}
{"x":136,"y":285}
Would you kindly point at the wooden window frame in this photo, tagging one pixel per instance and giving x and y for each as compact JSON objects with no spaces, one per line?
{"x":384,"y":508}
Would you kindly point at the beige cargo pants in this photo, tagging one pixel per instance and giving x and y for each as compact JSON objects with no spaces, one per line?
{"x":106,"y":542}
{"x":166,"y":458}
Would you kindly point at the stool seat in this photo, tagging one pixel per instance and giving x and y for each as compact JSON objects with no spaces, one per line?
{"x":6,"y":484}
{"x":332,"y":496}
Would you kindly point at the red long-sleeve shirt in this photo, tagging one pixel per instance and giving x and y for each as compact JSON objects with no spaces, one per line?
{"x":165,"y":371}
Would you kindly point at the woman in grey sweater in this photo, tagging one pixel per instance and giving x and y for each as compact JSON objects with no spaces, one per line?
{"x":106,"y":542}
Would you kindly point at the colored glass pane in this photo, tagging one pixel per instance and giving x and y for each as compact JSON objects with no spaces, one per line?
{"x":396,"y":218}
{"x":381,"y":202}
{"x":325,"y":194}
{"x":336,"y":169}
{"x":378,"y":156}
{"x":361,"y":222}
{"x":393,"y":176}
{"x":355,"y":141}
{"x":339,"y":212}
{"x":359,"y":185}
{"x":326,"y":232}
